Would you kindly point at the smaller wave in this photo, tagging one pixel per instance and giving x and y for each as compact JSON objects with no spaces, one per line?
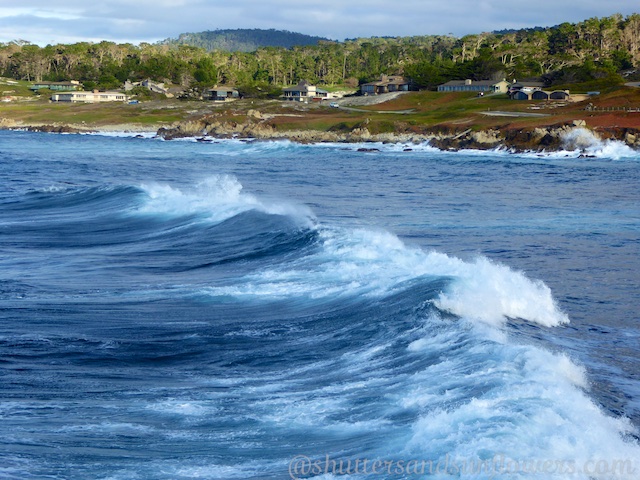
{"x":123,"y":134}
{"x":66,"y":195}
{"x":216,"y":198}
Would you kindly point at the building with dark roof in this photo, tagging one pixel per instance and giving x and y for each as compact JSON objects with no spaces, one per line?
{"x":468,"y":85}
{"x":222,"y":94}
{"x":303,"y":92}
{"x":57,"y":86}
{"x":386,"y":84}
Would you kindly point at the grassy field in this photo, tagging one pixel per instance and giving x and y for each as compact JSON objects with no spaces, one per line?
{"x":421,"y":111}
{"x":96,"y":115}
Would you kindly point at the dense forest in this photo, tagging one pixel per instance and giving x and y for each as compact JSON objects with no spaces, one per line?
{"x":595,"y":50}
{"x":243,"y":40}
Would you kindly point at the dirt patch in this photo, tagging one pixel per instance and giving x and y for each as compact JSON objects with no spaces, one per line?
{"x":629,"y":120}
{"x":369,"y":100}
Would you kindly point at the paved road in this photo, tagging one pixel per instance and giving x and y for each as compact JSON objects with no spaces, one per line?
{"x":402,"y":112}
{"x":497,"y":113}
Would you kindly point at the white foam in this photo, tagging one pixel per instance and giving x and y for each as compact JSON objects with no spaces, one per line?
{"x":54,"y":189}
{"x":124,"y":133}
{"x":480,"y":290}
{"x":583,"y":141}
{"x":492,"y":292}
{"x":374,"y":263}
{"x":360,"y":261}
{"x":531,"y":407}
{"x":217,"y":198}
{"x":183,"y":408}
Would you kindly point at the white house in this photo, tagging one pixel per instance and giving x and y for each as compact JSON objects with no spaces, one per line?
{"x":89,"y":97}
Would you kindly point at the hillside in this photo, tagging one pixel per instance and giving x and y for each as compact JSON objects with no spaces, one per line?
{"x":243,"y":40}
{"x":593,"y":55}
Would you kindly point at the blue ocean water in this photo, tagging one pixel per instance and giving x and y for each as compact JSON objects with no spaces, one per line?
{"x":269,"y":310}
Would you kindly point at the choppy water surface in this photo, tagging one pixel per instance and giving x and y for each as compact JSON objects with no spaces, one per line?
{"x":178,"y":310}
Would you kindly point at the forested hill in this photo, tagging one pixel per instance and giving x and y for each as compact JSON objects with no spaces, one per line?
{"x":243,"y":40}
{"x":595,"y":53}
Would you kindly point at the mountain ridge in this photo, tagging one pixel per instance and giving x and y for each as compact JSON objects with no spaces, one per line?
{"x":243,"y":39}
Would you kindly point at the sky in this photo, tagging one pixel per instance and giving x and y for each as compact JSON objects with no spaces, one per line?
{"x":134,"y":21}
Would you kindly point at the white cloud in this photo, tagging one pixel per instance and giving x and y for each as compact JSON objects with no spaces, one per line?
{"x":145,"y":20}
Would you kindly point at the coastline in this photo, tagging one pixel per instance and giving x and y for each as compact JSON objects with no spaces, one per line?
{"x":569,"y":136}
{"x":446,"y":121}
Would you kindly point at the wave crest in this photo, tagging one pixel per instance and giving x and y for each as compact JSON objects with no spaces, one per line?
{"x":491,"y":293}
{"x":216,"y":198}
{"x":377,"y":263}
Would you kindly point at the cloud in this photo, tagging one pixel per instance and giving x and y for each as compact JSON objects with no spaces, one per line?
{"x":149,"y":21}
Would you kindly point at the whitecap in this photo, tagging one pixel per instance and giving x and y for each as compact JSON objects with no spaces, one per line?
{"x":216,"y":198}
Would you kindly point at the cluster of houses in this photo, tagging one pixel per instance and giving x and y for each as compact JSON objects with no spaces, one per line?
{"x":73,"y":92}
{"x":524,"y":90}
{"x":534,"y":91}
{"x":305,"y":92}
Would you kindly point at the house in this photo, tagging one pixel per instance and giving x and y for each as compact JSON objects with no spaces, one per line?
{"x":89,"y":97}
{"x":221,"y":94}
{"x":539,"y":94}
{"x":533,"y":90}
{"x":57,"y":86}
{"x":527,"y":86}
{"x":303,"y":92}
{"x":475,"y":86}
{"x":386,"y":84}
{"x":521,"y":95}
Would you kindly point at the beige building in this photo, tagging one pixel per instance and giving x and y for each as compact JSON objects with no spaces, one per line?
{"x":89,"y":97}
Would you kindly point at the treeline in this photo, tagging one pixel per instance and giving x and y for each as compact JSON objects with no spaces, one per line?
{"x":598,"y":48}
{"x":243,"y":39}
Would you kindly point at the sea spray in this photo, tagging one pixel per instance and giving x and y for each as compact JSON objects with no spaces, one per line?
{"x":588,"y":143}
{"x":377,"y":263}
{"x":215,"y":199}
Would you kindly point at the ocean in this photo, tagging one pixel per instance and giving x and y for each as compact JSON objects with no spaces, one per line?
{"x":269,"y":310}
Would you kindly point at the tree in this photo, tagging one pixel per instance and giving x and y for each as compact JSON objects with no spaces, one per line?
{"x":205,"y":72}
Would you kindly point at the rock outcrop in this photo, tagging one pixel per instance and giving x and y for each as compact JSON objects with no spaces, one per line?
{"x":55,"y":129}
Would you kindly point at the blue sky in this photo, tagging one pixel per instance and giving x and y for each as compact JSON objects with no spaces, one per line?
{"x":136,"y":21}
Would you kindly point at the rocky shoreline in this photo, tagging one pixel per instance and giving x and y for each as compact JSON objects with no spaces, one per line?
{"x":570,"y":136}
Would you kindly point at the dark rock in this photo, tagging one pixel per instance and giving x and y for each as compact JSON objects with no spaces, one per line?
{"x":53,"y":129}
